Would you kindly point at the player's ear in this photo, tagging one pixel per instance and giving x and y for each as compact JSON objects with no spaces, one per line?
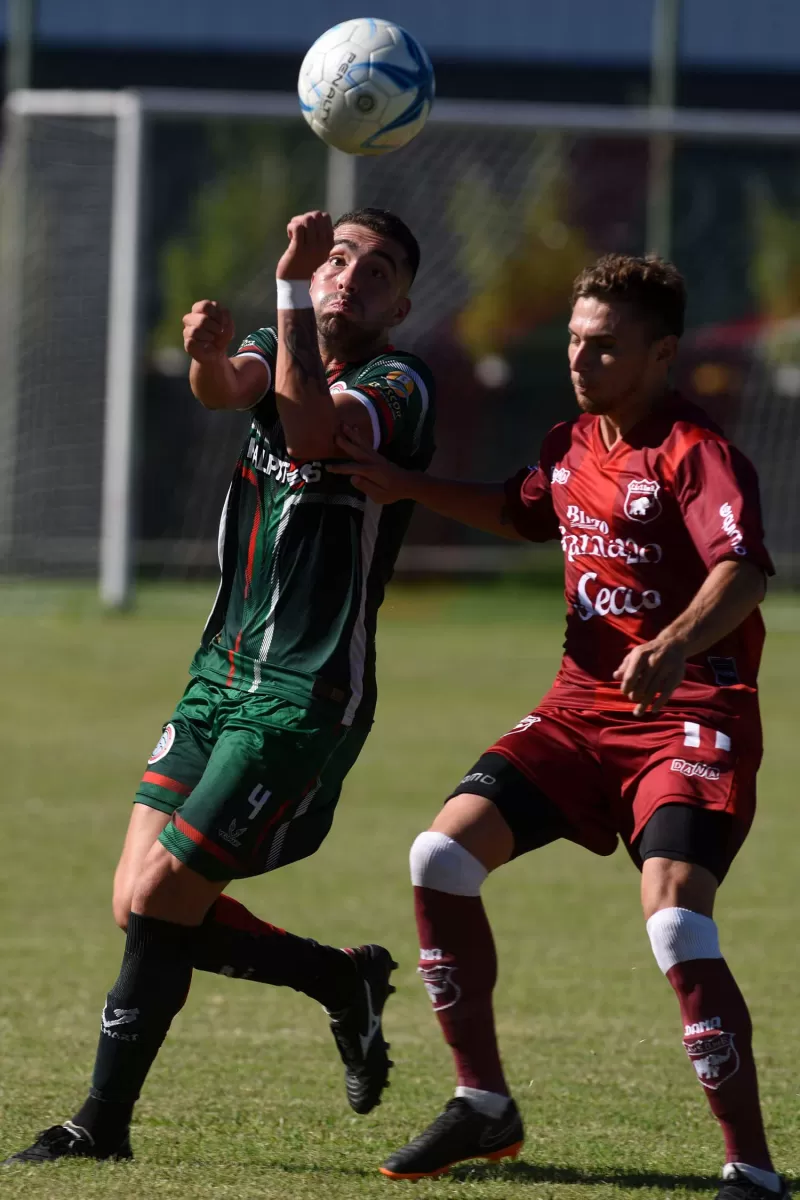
{"x":667,"y":349}
{"x":401,"y":311}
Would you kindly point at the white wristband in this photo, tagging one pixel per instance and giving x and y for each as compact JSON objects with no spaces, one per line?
{"x":294,"y":293}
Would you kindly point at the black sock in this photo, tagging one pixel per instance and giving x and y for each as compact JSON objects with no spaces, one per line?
{"x":152,"y":987}
{"x":231,"y":941}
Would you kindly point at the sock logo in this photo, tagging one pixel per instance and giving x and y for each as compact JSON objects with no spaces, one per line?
{"x":713,"y":1055}
{"x":122,"y":1016}
{"x":440,"y":986}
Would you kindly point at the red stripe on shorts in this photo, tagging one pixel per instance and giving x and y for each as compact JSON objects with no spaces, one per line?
{"x":203,"y":842}
{"x":164,"y":781}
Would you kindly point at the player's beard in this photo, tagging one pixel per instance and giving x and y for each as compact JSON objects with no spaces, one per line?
{"x":346,"y":339}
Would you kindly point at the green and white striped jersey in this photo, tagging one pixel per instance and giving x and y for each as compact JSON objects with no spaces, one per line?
{"x":305,"y":558}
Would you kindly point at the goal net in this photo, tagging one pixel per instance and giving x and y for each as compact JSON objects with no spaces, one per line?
{"x":117,"y":211}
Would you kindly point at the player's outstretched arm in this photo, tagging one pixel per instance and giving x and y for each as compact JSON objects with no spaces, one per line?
{"x":650,"y":673}
{"x":216,"y":380}
{"x":309,"y":415}
{"x":481,"y":505}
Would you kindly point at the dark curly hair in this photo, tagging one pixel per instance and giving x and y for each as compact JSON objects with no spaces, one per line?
{"x":653,"y":287}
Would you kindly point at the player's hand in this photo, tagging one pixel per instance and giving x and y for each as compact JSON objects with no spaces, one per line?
{"x":369,"y":471}
{"x":650,"y":673}
{"x":207,"y":330}
{"x":310,"y":240}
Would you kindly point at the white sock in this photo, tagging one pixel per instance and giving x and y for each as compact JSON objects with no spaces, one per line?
{"x":765,"y":1179}
{"x":491,"y":1104}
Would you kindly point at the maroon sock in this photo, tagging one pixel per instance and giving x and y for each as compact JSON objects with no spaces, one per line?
{"x":234,"y":942}
{"x":718,"y":1040}
{"x":458,"y":965}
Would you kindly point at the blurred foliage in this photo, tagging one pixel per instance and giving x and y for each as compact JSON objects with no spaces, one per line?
{"x":262,"y":174}
{"x":524,"y":283}
{"x":775,"y":271}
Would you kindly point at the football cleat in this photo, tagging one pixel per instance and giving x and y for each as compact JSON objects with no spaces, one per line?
{"x":457,"y":1134}
{"x":358,"y":1031}
{"x":738,"y":1186}
{"x":68,"y":1141}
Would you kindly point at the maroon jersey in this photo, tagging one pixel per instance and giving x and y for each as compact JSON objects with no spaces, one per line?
{"x":641,"y":526}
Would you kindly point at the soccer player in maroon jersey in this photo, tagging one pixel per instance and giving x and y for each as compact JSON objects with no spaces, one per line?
{"x":650,"y":732}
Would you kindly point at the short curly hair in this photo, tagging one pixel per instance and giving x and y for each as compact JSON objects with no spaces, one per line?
{"x":655,"y":288}
{"x":379,"y":220}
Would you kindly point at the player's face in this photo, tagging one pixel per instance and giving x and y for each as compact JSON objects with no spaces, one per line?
{"x":361,"y":288}
{"x":613,"y":360}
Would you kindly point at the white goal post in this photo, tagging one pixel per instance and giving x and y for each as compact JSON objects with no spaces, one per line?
{"x":131,"y":113}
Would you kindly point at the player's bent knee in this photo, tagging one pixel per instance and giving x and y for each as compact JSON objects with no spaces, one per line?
{"x":440,"y":863}
{"x":171,"y":891}
{"x":679,"y":935}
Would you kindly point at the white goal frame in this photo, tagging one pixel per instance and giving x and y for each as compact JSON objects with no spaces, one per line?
{"x":131,"y":109}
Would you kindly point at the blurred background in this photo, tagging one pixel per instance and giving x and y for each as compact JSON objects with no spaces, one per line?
{"x":156,"y":152}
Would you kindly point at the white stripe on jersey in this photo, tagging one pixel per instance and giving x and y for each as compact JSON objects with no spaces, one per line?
{"x":223,"y":523}
{"x":260,"y":358}
{"x":275,"y":585}
{"x":358,"y":641}
{"x":373,"y":416}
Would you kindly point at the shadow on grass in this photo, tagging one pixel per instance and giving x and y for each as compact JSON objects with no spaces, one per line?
{"x":521,"y":1174}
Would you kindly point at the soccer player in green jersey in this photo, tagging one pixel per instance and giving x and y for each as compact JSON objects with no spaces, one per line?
{"x":249,"y":767}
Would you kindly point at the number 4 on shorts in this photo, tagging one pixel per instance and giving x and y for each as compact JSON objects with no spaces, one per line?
{"x":257,"y":799}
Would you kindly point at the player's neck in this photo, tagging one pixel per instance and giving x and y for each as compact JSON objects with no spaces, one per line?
{"x":332,"y":352}
{"x":614,"y":425}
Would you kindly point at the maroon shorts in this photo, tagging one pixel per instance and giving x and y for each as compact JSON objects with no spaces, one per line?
{"x":607,"y":773}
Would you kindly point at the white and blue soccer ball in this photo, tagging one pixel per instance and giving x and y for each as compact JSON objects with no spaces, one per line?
{"x":366,"y":86}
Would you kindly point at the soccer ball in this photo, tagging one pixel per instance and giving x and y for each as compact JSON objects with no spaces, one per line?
{"x":366,"y":86}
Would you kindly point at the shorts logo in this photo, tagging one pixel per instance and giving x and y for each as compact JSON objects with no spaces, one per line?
{"x":163,"y":745}
{"x":690,"y":769}
{"x":560,"y":474}
{"x":713,"y":1055}
{"x":641,"y":500}
{"x":526,"y":723}
{"x":725,"y":672}
{"x":232,"y":835}
{"x":440,"y":986}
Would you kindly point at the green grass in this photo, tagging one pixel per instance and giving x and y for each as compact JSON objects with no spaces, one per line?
{"x":246,"y":1099}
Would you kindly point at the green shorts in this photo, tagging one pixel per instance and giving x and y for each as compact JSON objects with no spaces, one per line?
{"x":251,"y":782}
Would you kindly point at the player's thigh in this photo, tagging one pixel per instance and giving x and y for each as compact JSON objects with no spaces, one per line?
{"x":694,"y":798}
{"x":143,"y":829}
{"x":529,"y":789}
{"x":274,"y":767}
{"x":173,"y":769}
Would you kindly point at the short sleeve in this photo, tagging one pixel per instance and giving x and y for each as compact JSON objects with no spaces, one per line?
{"x":529,"y":501}
{"x":716,"y":487}
{"x":399,"y":396}
{"x":261,"y":345}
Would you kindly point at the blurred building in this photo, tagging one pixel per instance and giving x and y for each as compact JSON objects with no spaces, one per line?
{"x":733,"y":53}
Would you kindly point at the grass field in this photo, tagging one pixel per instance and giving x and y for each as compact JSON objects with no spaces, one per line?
{"x":246,"y":1099}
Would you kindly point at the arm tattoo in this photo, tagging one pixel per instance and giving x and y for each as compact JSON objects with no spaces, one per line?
{"x":300,"y":341}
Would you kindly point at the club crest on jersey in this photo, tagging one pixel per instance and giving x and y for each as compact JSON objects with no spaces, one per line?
{"x":714,"y":1057}
{"x":339,"y":386}
{"x":641,"y":500}
{"x":440,"y":986}
{"x":163,"y":745}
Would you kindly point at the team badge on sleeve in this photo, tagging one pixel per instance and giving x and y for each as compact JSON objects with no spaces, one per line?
{"x":641,"y":501}
{"x":400,"y":383}
{"x":163,"y":745}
